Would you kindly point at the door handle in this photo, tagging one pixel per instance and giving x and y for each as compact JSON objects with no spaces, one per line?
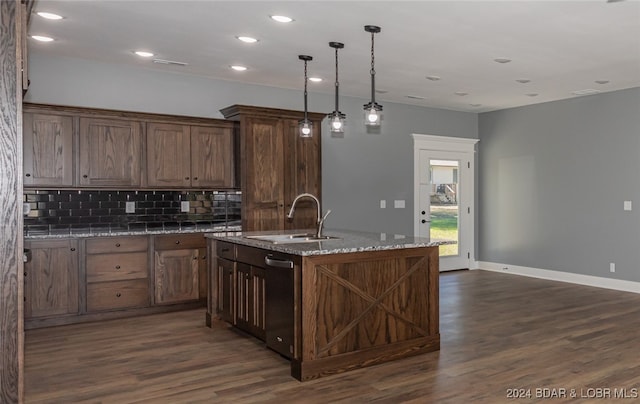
{"x":277,"y":263}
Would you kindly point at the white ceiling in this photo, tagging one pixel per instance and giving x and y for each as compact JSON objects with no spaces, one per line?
{"x":561,"y":46}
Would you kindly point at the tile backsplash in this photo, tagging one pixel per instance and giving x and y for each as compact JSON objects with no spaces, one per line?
{"x":53,"y":211}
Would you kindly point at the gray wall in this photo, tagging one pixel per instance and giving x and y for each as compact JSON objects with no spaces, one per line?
{"x":358,"y":170}
{"x":553,"y":178}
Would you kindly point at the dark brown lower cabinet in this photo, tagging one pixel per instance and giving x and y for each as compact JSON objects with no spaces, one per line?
{"x":250,"y":299}
{"x":51,"y":279}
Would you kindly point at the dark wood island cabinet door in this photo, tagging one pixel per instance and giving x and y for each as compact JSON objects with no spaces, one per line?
{"x":110,"y":152}
{"x":48,"y":150}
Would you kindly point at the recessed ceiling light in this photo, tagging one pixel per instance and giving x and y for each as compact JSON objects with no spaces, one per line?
{"x":502,"y":60}
{"x":42,"y":38}
{"x":238,"y":68}
{"x":523,"y":81}
{"x":144,"y":54}
{"x":247,"y":39}
{"x":169,"y":62}
{"x":532,"y":95}
{"x":587,"y":91}
{"x":315,"y":79}
{"x":416,"y":97}
{"x":433,"y":78}
{"x":602,"y":81}
{"x":49,"y":16}
{"x":461,"y":93}
{"x":281,"y":18}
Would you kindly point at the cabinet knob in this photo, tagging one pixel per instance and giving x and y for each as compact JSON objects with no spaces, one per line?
{"x":117,"y":244}
{"x":279,"y":339}
{"x":423,"y":221}
{"x":117,"y":266}
{"x":25,"y":274}
{"x":85,"y":176}
{"x":423,"y":212}
{"x":177,"y":241}
{"x":72,"y":249}
{"x":195,"y":258}
{"x":186,"y":178}
{"x":118,"y":294}
{"x":195,"y":178}
{"x":27,"y":175}
{"x":204,"y":257}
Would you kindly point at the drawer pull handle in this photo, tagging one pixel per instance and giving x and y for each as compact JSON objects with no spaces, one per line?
{"x":117,"y":244}
{"x":118,"y":294}
{"x":117,"y":266}
{"x":225,"y":250}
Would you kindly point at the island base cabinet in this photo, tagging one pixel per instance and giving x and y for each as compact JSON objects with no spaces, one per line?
{"x":360,"y":309}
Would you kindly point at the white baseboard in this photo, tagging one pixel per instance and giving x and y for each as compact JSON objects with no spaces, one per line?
{"x":588,"y":280}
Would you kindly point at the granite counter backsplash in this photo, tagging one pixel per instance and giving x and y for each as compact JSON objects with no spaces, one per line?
{"x":104,"y":211}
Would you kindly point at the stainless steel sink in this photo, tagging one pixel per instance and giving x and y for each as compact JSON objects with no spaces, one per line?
{"x":291,"y":238}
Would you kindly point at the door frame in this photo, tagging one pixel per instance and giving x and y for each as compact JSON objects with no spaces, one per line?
{"x":435,"y":144}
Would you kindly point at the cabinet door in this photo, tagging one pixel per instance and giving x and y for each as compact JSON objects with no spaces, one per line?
{"x":226,"y":289}
{"x":51,"y":278}
{"x":168,"y":155}
{"x":243,"y":296}
{"x":258,"y":290}
{"x":212,"y":157}
{"x":110,"y":152}
{"x":263,"y":187}
{"x":176,"y":275}
{"x":302,"y":174}
{"x":48,"y":150}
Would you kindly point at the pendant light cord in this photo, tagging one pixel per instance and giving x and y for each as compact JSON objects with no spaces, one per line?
{"x":305,"y":90}
{"x":373,"y":73}
{"x":337,"y":83}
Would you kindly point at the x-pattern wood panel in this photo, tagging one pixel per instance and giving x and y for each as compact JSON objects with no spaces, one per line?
{"x":374,"y":302}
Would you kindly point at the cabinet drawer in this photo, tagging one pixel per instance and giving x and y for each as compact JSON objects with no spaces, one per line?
{"x":113,"y":267}
{"x":117,"y":295}
{"x":251,"y":255}
{"x":226,"y":250}
{"x":179,"y":241}
{"x":117,"y":244}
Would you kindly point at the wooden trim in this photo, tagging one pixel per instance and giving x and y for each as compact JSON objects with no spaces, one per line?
{"x":11,"y":244}
{"x":135,"y":116}
{"x":234,"y":112}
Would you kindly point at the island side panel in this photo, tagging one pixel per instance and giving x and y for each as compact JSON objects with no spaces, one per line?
{"x":365,"y":308}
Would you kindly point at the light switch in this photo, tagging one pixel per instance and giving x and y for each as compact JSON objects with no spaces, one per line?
{"x":383,"y":203}
{"x":627,"y":205}
{"x":184,"y":206}
{"x":130,"y":207}
{"x":398,"y":204}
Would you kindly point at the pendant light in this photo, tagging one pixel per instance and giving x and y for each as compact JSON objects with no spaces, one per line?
{"x":372,"y":110}
{"x":306,"y":126}
{"x":336,"y":118}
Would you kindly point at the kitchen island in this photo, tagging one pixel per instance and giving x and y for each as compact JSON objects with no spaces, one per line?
{"x":330,"y":305}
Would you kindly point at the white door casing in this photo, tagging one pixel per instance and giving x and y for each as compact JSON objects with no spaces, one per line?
{"x":426,"y":149}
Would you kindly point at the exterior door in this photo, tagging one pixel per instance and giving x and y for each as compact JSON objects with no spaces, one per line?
{"x":444,"y":196}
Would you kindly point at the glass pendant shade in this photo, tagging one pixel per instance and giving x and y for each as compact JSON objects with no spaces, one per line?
{"x":306,"y":128}
{"x":336,"y":118}
{"x":372,"y":110}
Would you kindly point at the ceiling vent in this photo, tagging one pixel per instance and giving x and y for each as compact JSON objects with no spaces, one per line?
{"x":169,"y":62}
{"x":587,"y":91}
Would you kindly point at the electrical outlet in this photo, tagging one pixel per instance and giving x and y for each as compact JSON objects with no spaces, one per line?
{"x":130,"y":207}
{"x":184,"y":206}
{"x":383,"y":204}
{"x":612,"y":267}
{"x":398,"y":204}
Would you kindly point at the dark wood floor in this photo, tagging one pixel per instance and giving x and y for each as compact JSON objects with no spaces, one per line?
{"x":499,"y":332}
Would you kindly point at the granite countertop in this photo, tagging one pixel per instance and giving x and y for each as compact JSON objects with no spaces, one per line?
{"x":210,"y":229}
{"x":346,"y":242}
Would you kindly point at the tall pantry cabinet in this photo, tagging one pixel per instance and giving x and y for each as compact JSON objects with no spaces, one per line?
{"x":276,"y":165}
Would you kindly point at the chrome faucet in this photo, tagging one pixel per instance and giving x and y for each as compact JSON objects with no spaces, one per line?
{"x":320,"y":219}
